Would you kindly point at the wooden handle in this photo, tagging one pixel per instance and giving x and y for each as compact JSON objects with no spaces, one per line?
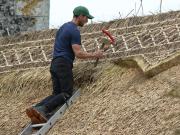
{"x":101,"y":47}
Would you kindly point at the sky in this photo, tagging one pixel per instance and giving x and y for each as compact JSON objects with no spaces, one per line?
{"x":61,"y":11}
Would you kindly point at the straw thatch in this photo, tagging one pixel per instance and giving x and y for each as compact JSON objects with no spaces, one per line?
{"x":114,"y":100}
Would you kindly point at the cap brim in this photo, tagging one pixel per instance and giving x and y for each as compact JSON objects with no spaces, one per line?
{"x":90,"y":16}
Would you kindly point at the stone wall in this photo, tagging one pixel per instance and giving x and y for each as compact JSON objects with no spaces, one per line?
{"x":22,"y":15}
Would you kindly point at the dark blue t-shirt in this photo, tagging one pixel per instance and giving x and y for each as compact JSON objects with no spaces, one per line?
{"x":66,"y":36}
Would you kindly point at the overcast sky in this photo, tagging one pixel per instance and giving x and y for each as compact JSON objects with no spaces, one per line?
{"x":106,"y":10}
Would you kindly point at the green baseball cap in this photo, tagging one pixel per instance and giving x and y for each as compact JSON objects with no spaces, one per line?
{"x":80,"y":10}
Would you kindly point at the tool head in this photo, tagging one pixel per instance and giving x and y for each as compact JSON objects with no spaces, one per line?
{"x":112,"y":40}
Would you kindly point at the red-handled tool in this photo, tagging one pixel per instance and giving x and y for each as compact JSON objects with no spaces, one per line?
{"x":112,"y":41}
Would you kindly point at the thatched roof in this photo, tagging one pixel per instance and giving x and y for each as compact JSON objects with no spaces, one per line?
{"x":116,"y":96}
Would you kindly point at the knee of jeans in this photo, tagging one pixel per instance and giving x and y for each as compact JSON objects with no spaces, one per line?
{"x":67,"y":94}
{"x":55,"y":93}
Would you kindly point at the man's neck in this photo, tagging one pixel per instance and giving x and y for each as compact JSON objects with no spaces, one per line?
{"x":75,"y":21}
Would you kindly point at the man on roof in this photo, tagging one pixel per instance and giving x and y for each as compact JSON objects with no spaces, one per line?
{"x":67,"y":46}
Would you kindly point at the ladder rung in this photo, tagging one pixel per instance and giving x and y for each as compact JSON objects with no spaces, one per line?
{"x":38,"y":125}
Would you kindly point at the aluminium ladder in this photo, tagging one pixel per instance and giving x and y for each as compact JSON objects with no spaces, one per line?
{"x":42,"y":129}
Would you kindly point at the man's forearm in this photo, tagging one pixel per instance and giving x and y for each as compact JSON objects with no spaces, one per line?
{"x":85,"y":55}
